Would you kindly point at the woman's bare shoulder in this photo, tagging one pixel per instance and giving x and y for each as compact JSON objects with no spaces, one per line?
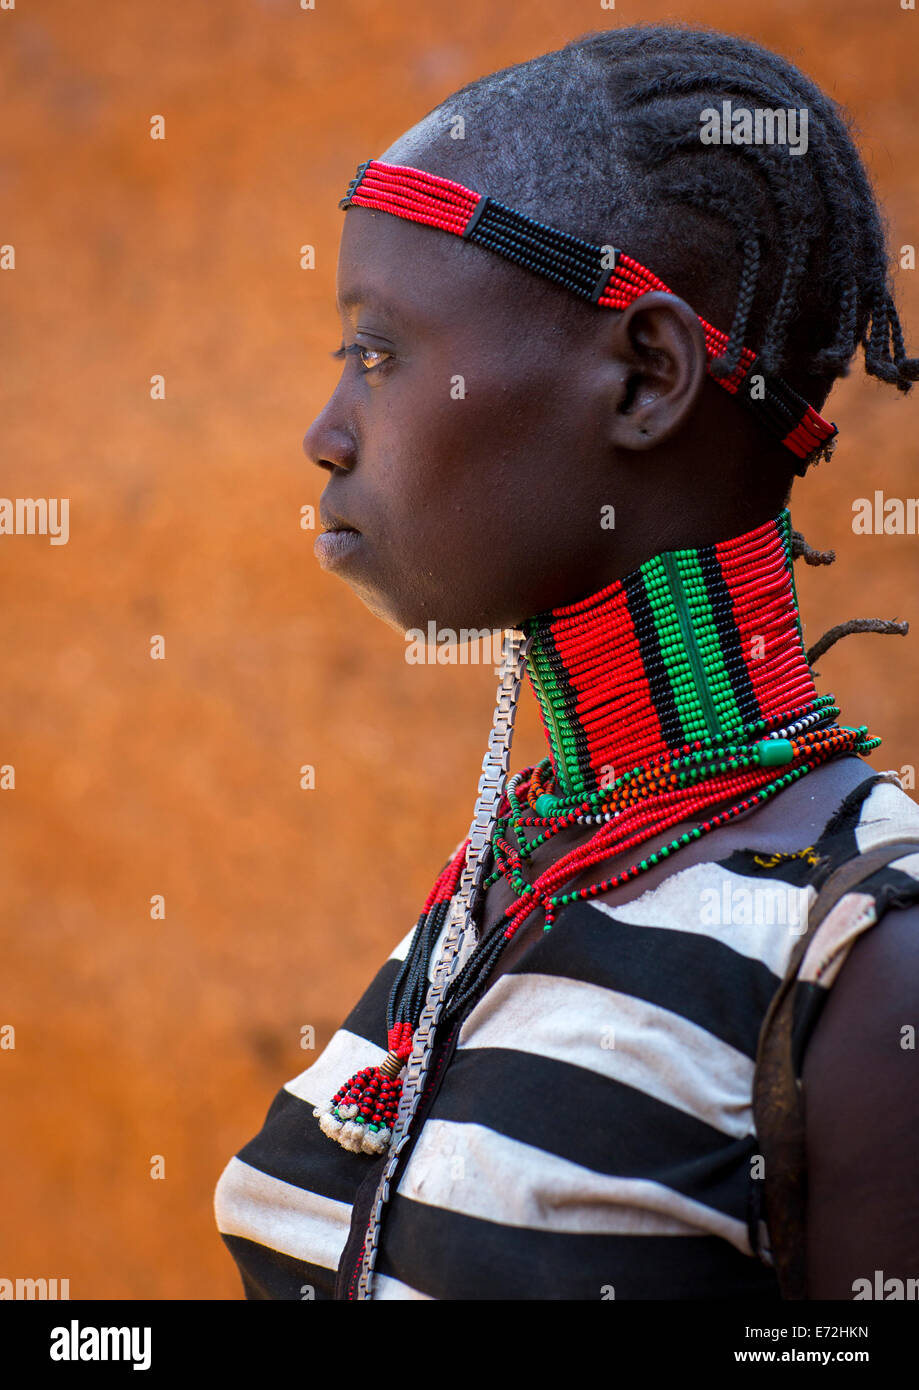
{"x":861,"y":1088}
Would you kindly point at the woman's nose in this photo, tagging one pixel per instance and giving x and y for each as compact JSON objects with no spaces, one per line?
{"x":328,"y":446}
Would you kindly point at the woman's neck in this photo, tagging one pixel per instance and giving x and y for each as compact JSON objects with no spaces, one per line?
{"x":691,"y":643}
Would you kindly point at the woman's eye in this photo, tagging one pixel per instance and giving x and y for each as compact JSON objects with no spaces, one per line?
{"x":369,"y":358}
{"x":364,"y":353}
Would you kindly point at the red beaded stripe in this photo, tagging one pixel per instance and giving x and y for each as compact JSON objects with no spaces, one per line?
{"x":399,"y":1039}
{"x":415,"y":195}
{"x":811,"y":430}
{"x":615,"y":706}
{"x":630,"y":280}
{"x":755,"y":570}
{"x":447,"y":880}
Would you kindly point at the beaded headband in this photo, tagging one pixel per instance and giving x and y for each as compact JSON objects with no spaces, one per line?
{"x":605,"y":276}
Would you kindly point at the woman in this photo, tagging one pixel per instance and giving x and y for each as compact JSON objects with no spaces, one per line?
{"x":610,"y":489}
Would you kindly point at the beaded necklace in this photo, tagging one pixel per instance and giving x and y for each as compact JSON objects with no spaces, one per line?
{"x":690,"y":675}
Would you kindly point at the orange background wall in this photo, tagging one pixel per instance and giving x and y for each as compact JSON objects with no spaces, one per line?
{"x":137,"y":1037}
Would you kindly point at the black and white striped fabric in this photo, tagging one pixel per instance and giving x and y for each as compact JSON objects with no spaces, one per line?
{"x":592,"y":1134}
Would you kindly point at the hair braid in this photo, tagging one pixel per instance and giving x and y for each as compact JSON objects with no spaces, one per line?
{"x":836,"y":357}
{"x":624,"y":107}
{"x":726,"y":364}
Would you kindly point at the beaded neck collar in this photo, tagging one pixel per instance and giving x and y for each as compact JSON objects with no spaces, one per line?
{"x":692,"y":643}
{"x":652,"y":692}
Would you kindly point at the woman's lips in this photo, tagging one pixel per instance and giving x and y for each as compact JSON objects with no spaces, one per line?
{"x":332,"y":547}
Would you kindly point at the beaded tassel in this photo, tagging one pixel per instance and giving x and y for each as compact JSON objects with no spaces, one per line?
{"x":361,"y":1114}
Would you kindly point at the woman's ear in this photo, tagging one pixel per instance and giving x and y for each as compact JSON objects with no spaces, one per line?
{"x":657,"y":349}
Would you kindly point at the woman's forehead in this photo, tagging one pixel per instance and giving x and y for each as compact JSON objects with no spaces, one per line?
{"x":402,"y":269}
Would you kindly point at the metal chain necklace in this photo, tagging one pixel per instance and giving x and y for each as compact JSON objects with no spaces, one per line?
{"x":460,"y":932}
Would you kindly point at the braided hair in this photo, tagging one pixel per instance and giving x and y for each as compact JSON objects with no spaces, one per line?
{"x":601,"y":138}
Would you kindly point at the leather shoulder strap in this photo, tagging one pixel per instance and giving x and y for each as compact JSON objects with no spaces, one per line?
{"x":778,"y":1102}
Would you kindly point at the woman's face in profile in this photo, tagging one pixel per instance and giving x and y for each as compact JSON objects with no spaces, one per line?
{"x":453,"y":437}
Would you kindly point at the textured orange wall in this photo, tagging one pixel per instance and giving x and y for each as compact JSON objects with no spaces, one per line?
{"x":137,"y":1037}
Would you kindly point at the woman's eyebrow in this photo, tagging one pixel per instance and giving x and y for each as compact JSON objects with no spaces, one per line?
{"x":371,"y":299}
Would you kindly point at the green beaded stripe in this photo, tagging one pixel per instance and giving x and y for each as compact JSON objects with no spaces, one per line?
{"x":708,"y":644}
{"x":673,"y":648}
{"x":689,"y":644}
{"x":784,"y":524}
{"x":558,"y":727}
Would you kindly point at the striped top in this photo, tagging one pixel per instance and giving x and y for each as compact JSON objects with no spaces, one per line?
{"x":588,"y":1132}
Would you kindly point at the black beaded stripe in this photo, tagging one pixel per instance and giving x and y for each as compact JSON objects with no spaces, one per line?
{"x":467,"y":987}
{"x":410,"y":987}
{"x":729,"y":640}
{"x":355,"y":183}
{"x":781,"y":409}
{"x":649,"y":645}
{"x":569,"y":261}
{"x":776,"y":408}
